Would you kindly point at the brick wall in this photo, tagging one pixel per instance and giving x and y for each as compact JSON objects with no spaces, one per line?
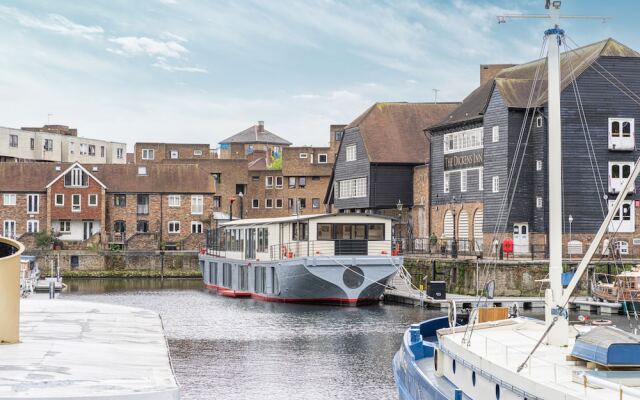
{"x":18,"y":213}
{"x":162,"y":151}
{"x":86,"y":211}
{"x":420,"y":212}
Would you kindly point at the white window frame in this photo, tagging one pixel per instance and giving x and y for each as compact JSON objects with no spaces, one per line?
{"x":617,"y":141}
{"x":83,"y":149}
{"x":321,"y":156}
{"x":463,"y":180}
{"x":539,"y":202}
{"x":33,"y":226}
{"x":266,"y":203}
{"x":616,"y":184}
{"x":199,"y":226}
{"x":446,"y":182}
{"x":495,"y":134}
{"x":76,"y":178}
{"x":268,"y":182}
{"x":619,"y":224}
{"x":64,"y":226}
{"x":142,"y":170}
{"x":48,"y":145}
{"x":481,"y":179}
{"x":303,"y":155}
{"x":351,"y":152}
{"x":92,"y":203}
{"x":7,"y":230}
{"x":197,"y":204}
{"x":174,"y":200}
{"x":13,"y":140}
{"x":33,"y":203}
{"x":119,"y":153}
{"x":469,"y":139}
{"x":197,"y":152}
{"x":148,"y":154}
{"x":279,"y":182}
{"x":173,"y":154}
{"x":281,"y":203}
{"x":538,"y":165}
{"x":255,"y":203}
{"x":495,"y":184}
{"x":539,"y":121}
{"x":92,"y":149}
{"x":9,"y":199}
{"x":172,"y":225}
{"x":76,"y":208}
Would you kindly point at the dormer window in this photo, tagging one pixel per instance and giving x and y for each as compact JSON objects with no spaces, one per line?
{"x":76,"y":178}
{"x":621,"y":134}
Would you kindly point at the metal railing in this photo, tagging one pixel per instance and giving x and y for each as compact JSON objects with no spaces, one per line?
{"x":440,"y":247}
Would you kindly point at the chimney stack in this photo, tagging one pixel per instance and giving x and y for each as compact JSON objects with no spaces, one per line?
{"x":260,"y":126}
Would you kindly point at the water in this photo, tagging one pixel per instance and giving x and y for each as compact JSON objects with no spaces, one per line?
{"x":248,"y":349}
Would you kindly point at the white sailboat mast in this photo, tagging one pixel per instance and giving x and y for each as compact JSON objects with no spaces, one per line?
{"x":558,"y":334}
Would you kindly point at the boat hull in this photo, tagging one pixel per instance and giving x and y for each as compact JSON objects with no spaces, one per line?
{"x":344,"y":280}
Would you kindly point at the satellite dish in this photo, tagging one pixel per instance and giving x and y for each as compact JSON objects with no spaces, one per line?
{"x":490,"y":289}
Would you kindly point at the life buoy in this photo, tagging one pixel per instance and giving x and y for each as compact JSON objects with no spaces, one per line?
{"x":507,"y":246}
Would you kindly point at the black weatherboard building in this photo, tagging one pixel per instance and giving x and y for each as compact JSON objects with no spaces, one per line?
{"x":499,"y":128}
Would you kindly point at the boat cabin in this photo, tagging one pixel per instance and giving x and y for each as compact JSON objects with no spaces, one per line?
{"x":302,"y":236}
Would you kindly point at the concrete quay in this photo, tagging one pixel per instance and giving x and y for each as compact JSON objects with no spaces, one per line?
{"x":82,"y":350}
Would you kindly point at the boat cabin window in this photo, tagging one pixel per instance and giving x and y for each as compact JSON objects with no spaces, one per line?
{"x":350,"y":231}
{"x":300,"y":231}
{"x":235,"y":240}
{"x":263,"y":240}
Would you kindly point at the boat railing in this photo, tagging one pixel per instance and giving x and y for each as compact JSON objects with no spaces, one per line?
{"x":328,"y":248}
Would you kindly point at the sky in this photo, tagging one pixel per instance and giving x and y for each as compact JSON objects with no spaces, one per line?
{"x":200,"y":71}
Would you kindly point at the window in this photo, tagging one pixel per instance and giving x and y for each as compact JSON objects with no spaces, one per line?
{"x":463,"y":180}
{"x":119,"y":200}
{"x":538,"y":165}
{"x":48,"y":145}
{"x":217,"y":201}
{"x":93,"y":200}
{"x":76,"y":178}
{"x":279,"y":182}
{"x":9,"y":199}
{"x":75,"y":203}
{"x":142,"y":170}
{"x":339,"y":135}
{"x":302,"y":202}
{"x":217,"y":177}
{"x":495,"y":134}
{"x":255,"y":178}
{"x":463,"y":140}
{"x":351,"y":152}
{"x":315,"y":178}
{"x":292,"y":182}
{"x":197,"y":153}
{"x":268,"y":182}
{"x":263,"y":240}
{"x":148,"y":154}
{"x":173,"y":154}
{"x":119,"y":226}
{"x":142,"y":204}
{"x":621,"y":133}
{"x":71,"y":147}
{"x":279,"y":203}
{"x":304,"y":155}
{"x":302,"y":182}
{"x":623,"y":219}
{"x":196,"y":227}
{"x":119,"y":153}
{"x":496,"y":184}
{"x":446,"y":182}
{"x":324,"y":232}
{"x":539,"y":202}
{"x":102,"y":151}
{"x":289,"y":203}
{"x":142,"y":226}
{"x":32,"y":144}
{"x":174,"y":200}
{"x":353,"y":188}
{"x":622,"y":247}
{"x":197,"y":204}
{"x":480,"y":179}
{"x":13,"y":140}
{"x":300,"y":231}
{"x":9,"y":228}
{"x":92,"y":150}
{"x":64,"y":226}
{"x":315,"y":203}
{"x":322,"y":158}
{"x":83,"y":149}
{"x":255,"y":203}
{"x":33,"y":226}
{"x":619,"y":172}
{"x":268,"y":203}
{"x":33,"y":203}
{"x":174,"y":226}
{"x":539,"y":122}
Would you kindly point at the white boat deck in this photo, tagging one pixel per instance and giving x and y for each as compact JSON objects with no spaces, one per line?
{"x":499,"y":348}
{"x":82,"y":350}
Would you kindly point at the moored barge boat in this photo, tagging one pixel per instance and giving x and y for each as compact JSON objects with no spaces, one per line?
{"x":325,"y":258}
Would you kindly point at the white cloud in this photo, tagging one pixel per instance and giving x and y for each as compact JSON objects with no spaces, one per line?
{"x":131,"y":45}
{"x":173,"y":36}
{"x":162,"y":63}
{"x":54,"y":23}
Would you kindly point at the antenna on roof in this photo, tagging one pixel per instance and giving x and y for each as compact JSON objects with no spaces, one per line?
{"x":435,"y":95}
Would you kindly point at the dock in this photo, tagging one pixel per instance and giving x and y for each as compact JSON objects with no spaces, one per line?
{"x":83,"y":350}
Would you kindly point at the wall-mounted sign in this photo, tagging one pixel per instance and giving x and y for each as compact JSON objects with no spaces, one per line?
{"x":462,"y":160}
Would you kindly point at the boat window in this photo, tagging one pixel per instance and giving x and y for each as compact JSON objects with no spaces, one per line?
{"x":376,"y":231}
{"x":263,"y":240}
{"x":324,"y":232}
{"x":358,"y":232}
{"x":300,"y":231}
{"x":243,"y":277}
{"x":343,"y":231}
{"x":275,"y":283}
{"x":226,"y":275}
{"x":212,"y":273}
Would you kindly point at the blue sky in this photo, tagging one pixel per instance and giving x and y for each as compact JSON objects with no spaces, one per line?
{"x":199,"y":71}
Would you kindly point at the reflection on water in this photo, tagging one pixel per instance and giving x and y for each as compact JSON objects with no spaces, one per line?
{"x":248,"y":349}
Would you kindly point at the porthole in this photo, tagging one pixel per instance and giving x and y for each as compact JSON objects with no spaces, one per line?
{"x":497,"y":392}
{"x":454,"y":366}
{"x":473,"y":378}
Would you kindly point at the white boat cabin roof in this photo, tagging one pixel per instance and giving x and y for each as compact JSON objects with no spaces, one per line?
{"x":295,"y":218}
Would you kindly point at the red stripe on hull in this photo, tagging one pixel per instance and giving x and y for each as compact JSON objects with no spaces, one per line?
{"x":222,"y":290}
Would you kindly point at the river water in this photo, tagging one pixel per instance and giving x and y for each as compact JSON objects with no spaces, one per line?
{"x":225,"y":348}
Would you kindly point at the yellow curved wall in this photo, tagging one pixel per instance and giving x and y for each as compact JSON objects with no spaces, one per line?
{"x":10,"y":293}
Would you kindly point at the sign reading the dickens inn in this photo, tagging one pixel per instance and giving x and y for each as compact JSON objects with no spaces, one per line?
{"x":463,"y":160}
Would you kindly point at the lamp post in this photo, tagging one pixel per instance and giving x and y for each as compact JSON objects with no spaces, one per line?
{"x":231,"y":200}
{"x":454,"y":242}
{"x":568,"y":244}
{"x":241,"y":195}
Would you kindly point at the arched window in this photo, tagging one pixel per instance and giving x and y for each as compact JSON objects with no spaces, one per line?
{"x":463,"y":231}
{"x":615,"y":128}
{"x":448,"y":225}
{"x":626,"y":129}
{"x":477,"y":230}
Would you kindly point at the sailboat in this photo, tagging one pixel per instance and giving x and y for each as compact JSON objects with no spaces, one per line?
{"x":523,"y":358}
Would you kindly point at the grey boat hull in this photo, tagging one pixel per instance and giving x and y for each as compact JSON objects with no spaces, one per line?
{"x":347,"y":280}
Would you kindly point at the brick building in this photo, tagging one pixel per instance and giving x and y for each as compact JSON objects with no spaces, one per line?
{"x":145,"y":153}
{"x":130,"y":206}
{"x":254,"y":138}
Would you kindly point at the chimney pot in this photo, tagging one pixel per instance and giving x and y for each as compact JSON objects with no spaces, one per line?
{"x":260,"y":126}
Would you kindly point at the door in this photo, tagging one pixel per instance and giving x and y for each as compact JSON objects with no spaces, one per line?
{"x":88,"y":230}
{"x":521,"y":238}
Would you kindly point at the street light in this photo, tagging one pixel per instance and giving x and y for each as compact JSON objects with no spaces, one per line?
{"x":399,"y":226}
{"x":241,"y":195}
{"x":231,"y":200}
{"x":568,"y":244}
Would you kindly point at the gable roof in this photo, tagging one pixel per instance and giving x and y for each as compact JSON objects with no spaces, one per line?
{"x":471,"y":109}
{"x":251,"y":135}
{"x":75,"y":164}
{"x":394,"y":132}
